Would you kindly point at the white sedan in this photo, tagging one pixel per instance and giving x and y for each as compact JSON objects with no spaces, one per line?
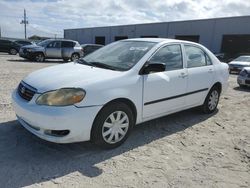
{"x":102,"y":96}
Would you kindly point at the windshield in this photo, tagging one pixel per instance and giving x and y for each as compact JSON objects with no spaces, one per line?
{"x":43,"y":43}
{"x":121,"y":55}
{"x":243,"y":58}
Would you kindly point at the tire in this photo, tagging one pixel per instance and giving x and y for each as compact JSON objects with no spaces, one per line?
{"x":13,"y":51}
{"x":211,"y":101}
{"x":75,"y":56}
{"x":39,"y":57}
{"x":106,"y":132}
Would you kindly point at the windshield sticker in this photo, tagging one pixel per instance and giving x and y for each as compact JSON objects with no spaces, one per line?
{"x":139,"y":48}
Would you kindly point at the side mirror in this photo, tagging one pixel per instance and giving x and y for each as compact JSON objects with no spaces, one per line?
{"x":151,"y":68}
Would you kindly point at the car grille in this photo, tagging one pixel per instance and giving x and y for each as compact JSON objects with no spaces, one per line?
{"x":25,"y":91}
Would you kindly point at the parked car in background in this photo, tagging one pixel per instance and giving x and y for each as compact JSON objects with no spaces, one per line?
{"x":239,"y":63}
{"x":101,"y":97}
{"x":244,"y":77}
{"x":52,"y":49}
{"x":89,"y":48}
{"x":23,"y":42}
{"x":9,"y":46}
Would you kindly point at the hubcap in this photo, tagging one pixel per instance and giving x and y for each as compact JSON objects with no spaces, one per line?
{"x":213,"y":100}
{"x":39,"y":58}
{"x":74,"y":57}
{"x":115,"y":127}
{"x":13,"y":51}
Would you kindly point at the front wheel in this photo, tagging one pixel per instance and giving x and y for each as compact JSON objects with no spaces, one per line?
{"x":211,"y":101}
{"x":39,"y":57}
{"x":112,"y":125}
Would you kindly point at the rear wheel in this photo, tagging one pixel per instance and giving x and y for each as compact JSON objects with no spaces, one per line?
{"x":211,"y":101}
{"x":75,"y":56}
{"x":112,"y":125}
{"x":13,"y":51}
{"x":39,"y":57}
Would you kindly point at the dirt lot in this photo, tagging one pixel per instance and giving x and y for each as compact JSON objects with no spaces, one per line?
{"x":186,"y":149}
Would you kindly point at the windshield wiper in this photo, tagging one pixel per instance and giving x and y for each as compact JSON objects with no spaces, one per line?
{"x":102,"y":65}
{"x":82,"y":61}
{"x":96,"y":64}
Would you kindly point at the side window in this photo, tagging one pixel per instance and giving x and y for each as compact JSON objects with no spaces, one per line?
{"x":208,"y":60}
{"x":54,"y":44}
{"x":196,"y":57}
{"x":170,"y":56}
{"x":67,"y":44}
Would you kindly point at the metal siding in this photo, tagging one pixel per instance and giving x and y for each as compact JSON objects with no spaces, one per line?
{"x":99,"y":32}
{"x":128,"y":31}
{"x":158,"y":29}
{"x":210,"y":30}
{"x":229,"y":26}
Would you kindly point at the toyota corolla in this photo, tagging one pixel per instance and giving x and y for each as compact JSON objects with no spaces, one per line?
{"x":102,"y":96}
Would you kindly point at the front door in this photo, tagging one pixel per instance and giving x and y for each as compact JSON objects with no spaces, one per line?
{"x":163,"y":91}
{"x":53,"y":50}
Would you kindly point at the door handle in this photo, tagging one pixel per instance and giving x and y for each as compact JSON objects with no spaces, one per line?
{"x":183,"y":75}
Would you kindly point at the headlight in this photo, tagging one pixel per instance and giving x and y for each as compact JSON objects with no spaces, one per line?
{"x":243,"y":73}
{"x":61,"y":97}
{"x":30,"y":50}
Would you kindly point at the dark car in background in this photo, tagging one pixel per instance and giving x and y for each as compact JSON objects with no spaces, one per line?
{"x":89,"y":48}
{"x":52,"y":49}
{"x":12,"y":46}
{"x":9,"y":46}
{"x":23,"y":42}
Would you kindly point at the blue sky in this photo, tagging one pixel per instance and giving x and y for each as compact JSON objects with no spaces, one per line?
{"x":50,"y":17}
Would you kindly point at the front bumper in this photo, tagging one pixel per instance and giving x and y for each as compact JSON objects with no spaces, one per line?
{"x":41,"y":119}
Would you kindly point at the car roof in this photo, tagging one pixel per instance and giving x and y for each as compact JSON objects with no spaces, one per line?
{"x":91,"y":45}
{"x":61,"y":40}
{"x":160,"y":40}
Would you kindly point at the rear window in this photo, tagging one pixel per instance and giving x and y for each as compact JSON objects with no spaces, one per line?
{"x":67,"y":44}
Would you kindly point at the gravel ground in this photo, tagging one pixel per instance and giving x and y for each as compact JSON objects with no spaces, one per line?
{"x":186,"y":149}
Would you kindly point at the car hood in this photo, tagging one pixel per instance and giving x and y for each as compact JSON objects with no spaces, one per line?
{"x":247,"y":69}
{"x":239,"y":63}
{"x":68,"y":75}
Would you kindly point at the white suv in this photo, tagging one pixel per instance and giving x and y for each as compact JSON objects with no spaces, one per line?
{"x":102,"y":96}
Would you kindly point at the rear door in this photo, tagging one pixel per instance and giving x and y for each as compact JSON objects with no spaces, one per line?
{"x":163,"y":91}
{"x":53,"y":50}
{"x":67,"y":48}
{"x":200,"y":74}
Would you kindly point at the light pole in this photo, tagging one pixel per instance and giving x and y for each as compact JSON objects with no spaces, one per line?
{"x":25,"y":22}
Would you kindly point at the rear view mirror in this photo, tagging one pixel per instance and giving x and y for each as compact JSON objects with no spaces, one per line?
{"x":151,"y":68}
